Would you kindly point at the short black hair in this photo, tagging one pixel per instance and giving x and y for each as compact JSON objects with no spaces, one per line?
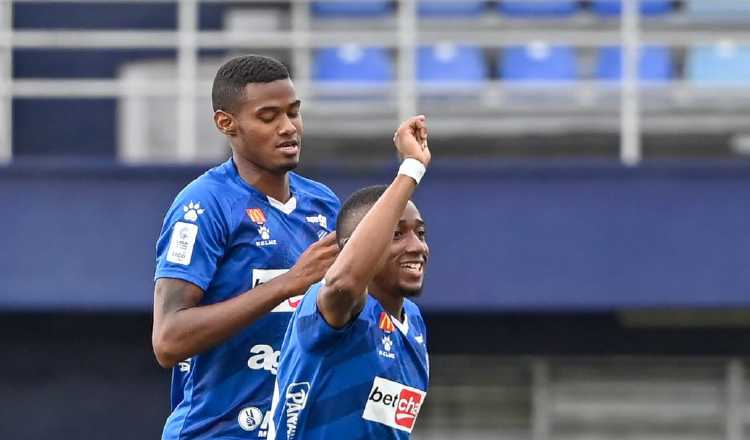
{"x":235,"y":74}
{"x":354,"y":209}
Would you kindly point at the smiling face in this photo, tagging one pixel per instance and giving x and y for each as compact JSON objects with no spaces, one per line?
{"x":265,"y":128}
{"x":401,"y":270}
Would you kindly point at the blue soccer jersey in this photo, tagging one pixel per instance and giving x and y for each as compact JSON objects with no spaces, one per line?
{"x":367,"y":380}
{"x":226,"y":237}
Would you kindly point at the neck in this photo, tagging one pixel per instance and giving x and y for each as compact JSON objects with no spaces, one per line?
{"x":393,"y":304}
{"x":272,"y":184}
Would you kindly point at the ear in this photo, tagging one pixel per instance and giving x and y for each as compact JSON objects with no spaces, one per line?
{"x":225,"y":122}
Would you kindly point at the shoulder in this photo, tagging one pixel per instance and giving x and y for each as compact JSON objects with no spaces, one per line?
{"x":213,"y":193}
{"x":313,"y":189}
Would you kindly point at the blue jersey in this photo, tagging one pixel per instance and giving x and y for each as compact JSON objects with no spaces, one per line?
{"x":367,"y":380}
{"x":226,"y":237}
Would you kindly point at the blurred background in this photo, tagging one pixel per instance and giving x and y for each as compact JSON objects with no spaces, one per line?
{"x":587,"y":208}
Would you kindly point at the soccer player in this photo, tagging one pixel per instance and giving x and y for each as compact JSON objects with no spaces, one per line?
{"x":354,"y":360}
{"x":238,"y":246}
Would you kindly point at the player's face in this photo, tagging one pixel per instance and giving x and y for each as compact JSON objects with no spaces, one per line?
{"x":403,"y":265}
{"x":269,"y":126}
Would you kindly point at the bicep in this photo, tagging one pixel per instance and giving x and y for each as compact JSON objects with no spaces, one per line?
{"x":172,"y":295}
{"x":338,"y":308}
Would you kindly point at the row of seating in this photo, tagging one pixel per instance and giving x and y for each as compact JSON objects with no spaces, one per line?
{"x":446,"y":62}
{"x":524,"y":8}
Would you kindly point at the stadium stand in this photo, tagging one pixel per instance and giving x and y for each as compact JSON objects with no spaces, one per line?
{"x":718,"y":9}
{"x":351,"y":9}
{"x":451,"y":9}
{"x":555,"y":8}
{"x":654,"y":65}
{"x":725,"y":63}
{"x":447,"y":63}
{"x":647,"y":7}
{"x":353,"y":64}
{"x":538,"y":61}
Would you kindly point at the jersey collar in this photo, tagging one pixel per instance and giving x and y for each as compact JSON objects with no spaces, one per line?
{"x":287,"y":208}
{"x":402,"y":326}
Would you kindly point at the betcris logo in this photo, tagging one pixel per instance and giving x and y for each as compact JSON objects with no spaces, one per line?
{"x":261,"y":276}
{"x":393,"y":404}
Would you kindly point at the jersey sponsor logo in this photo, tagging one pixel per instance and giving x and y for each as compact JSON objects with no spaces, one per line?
{"x":419,"y":339}
{"x":192,"y":211}
{"x":264,"y":357}
{"x":250,"y":418}
{"x":256,"y":215}
{"x":385,"y":323}
{"x":393,"y":404}
{"x":387,"y":344}
{"x":184,"y":366}
{"x":265,"y":235}
{"x":181,"y":243}
{"x":261,"y":276}
{"x":319,"y":219}
{"x":294,"y":403}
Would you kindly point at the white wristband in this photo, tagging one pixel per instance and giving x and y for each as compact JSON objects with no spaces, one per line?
{"x":413,"y":168}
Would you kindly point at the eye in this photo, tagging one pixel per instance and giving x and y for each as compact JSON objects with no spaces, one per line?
{"x":293,"y":114}
{"x":397,"y":235}
{"x":267,"y":117}
{"x":422,"y":234}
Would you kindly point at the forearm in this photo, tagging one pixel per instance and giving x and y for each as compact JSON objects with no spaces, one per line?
{"x":187,"y":331}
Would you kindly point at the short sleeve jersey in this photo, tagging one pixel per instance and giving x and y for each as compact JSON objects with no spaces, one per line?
{"x":367,"y":380}
{"x":226,"y":237}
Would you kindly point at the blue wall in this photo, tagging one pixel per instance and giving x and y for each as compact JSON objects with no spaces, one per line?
{"x":506,"y":237}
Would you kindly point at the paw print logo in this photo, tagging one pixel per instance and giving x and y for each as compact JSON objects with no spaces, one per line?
{"x":192,"y":211}
{"x":387,"y":343}
{"x":264,"y":232}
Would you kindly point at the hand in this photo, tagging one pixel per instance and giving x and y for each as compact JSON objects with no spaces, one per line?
{"x":411,"y":140}
{"x":315,"y":261}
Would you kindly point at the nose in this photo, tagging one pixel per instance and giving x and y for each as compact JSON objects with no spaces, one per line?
{"x":287,"y":128}
{"x":416,"y":246}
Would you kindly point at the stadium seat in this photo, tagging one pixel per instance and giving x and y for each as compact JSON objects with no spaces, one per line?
{"x":718,"y":9}
{"x":720,"y":63}
{"x":648,"y":7}
{"x":654,"y":64}
{"x":538,"y":61}
{"x":449,"y":9}
{"x":552,"y":8}
{"x":446,"y":63}
{"x":352,"y":63}
{"x":365,"y":8}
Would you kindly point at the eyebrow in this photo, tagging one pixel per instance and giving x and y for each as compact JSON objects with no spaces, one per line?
{"x":419,"y":221}
{"x":276,"y":107}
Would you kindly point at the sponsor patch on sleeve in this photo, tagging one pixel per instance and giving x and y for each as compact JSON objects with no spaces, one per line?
{"x":181,"y":243}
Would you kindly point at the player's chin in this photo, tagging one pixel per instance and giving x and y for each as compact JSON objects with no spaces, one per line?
{"x":288,"y":165}
{"x":410,"y":289}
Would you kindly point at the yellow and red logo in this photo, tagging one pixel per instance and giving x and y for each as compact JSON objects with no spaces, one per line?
{"x":256,"y":215}
{"x":385,"y":323}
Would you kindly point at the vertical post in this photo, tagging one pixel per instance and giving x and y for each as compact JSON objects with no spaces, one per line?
{"x":187,"y":67}
{"x":540,"y":400}
{"x":6,"y":80}
{"x":407,"y":35}
{"x":735,"y":384}
{"x":301,"y":58}
{"x":630,"y":130}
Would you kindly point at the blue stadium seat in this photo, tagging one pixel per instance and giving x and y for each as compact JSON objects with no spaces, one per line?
{"x":352,"y":63}
{"x":719,"y":63}
{"x":648,"y":7}
{"x":351,"y":8}
{"x":466,"y":8}
{"x":732,"y":9}
{"x":655,"y":64}
{"x":552,"y":8}
{"x":446,"y":62}
{"x":538,"y":62}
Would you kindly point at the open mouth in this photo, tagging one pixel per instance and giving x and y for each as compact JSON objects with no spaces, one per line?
{"x":288,"y":146}
{"x":413,"y":267}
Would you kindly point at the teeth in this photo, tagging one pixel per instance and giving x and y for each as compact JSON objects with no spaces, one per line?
{"x":412,"y":266}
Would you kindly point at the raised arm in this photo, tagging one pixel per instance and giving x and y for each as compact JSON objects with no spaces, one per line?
{"x":183,"y":328}
{"x":343,"y":294}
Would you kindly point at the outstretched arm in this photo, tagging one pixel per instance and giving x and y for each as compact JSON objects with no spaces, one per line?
{"x":183,"y":328}
{"x":343,"y":295}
